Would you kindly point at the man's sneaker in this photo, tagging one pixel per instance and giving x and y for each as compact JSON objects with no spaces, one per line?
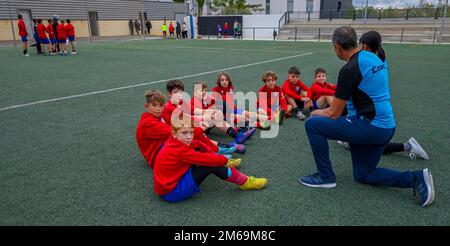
{"x":279,"y":116}
{"x":234,"y":162}
{"x":416,"y":150}
{"x":26,"y":55}
{"x":244,"y":136}
{"x":239,"y":148}
{"x":424,"y":187}
{"x":315,"y":180}
{"x":300,"y":116}
{"x":254,"y":183}
{"x":345,"y":144}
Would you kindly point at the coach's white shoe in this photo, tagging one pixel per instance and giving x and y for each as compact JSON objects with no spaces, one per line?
{"x":417,"y":150}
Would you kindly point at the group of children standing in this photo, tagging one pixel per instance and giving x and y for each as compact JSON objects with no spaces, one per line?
{"x":53,"y":37}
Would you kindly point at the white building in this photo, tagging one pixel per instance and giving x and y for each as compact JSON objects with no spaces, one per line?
{"x":281,"y":6}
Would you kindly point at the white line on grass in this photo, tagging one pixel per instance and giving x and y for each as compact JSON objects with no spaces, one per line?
{"x":149,"y":83}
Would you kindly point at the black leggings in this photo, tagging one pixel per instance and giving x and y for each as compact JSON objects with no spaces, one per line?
{"x":393,"y":147}
{"x":199,"y":173}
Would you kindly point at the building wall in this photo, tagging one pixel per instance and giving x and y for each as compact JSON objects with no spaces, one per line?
{"x":278,"y":6}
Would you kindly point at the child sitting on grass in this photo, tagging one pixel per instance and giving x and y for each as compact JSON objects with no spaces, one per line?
{"x":184,"y":163}
{"x":298,"y":95}
{"x":322,"y":91}
{"x":271,"y":102}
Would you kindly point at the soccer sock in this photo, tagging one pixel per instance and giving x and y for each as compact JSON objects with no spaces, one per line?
{"x":236,"y":177}
{"x":407,"y":146}
{"x":224,"y":151}
{"x":232,"y":132}
{"x":25,"y":51}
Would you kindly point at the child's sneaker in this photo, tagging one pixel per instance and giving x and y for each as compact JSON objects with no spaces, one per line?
{"x":264,"y":125}
{"x":416,"y":150}
{"x":424,"y":187}
{"x":279,"y":116}
{"x":26,"y":55}
{"x":244,"y":136}
{"x":225,"y":151}
{"x":234,"y":162}
{"x":239,"y":148}
{"x":254,"y":183}
{"x":73,"y":53}
{"x":300,"y":116}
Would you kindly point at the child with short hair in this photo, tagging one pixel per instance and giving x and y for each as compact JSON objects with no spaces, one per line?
{"x":271,"y":102}
{"x":62,"y":38}
{"x":41,"y":30}
{"x":71,"y":35}
{"x":51,"y":34}
{"x":297,"y":94}
{"x":322,"y":91}
{"x":23,"y":34}
{"x":203,"y":107}
{"x":176,"y":104}
{"x":183,"y":164}
{"x":223,"y":86}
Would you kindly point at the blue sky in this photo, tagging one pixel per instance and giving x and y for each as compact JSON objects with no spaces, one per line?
{"x":393,"y":3}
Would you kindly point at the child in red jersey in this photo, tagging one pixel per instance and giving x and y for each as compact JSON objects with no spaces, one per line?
{"x":42,"y":35}
{"x":71,"y":35}
{"x":183,"y":164}
{"x":203,"y":107}
{"x":224,"y":87}
{"x":23,"y":34}
{"x":298,"y":95}
{"x":62,"y":38}
{"x":51,"y":34}
{"x":176,"y":105}
{"x":322,"y":91}
{"x":271,"y":101}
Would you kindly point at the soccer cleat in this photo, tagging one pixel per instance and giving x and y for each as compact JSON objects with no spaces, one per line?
{"x":300,"y":116}
{"x":315,"y":180}
{"x":345,"y":144}
{"x":234,"y":162}
{"x":424,"y":187}
{"x":279,"y":116}
{"x":416,"y":150}
{"x":26,"y":55}
{"x":244,"y":136}
{"x":239,"y":148}
{"x":254,"y":183}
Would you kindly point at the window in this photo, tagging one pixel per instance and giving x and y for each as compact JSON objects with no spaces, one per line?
{"x":290,"y":6}
{"x":267,"y":6}
{"x":309,"y":5}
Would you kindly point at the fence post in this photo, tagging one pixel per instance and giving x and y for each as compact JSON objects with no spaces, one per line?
{"x":295,"y":34}
{"x":331,"y":15}
{"x":436,"y":15}
{"x":354,"y":14}
{"x":434,"y":36}
{"x":379,"y":14}
{"x":401,"y":37}
{"x":318,"y":36}
{"x":407,"y":13}
{"x":309,"y":15}
{"x":253,"y":33}
{"x":12,"y":25}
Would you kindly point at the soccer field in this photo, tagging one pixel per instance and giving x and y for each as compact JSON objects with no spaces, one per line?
{"x":68,"y":154}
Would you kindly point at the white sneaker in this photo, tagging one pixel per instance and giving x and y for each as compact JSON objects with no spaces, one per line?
{"x":300,"y":116}
{"x":73,"y":53}
{"x":26,"y":55}
{"x":416,"y":150}
{"x":345,"y":144}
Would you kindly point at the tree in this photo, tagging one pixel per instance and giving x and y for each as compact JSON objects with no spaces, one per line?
{"x":226,"y":7}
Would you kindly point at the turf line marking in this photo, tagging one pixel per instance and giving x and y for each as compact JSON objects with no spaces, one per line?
{"x":149,"y":83}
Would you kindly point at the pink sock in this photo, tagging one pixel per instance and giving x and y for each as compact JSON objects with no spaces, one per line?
{"x":236,"y":177}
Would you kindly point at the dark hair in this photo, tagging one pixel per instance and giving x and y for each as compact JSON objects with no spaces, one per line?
{"x":345,"y":37}
{"x":294,"y":70}
{"x":227,"y":75}
{"x":68,"y":20}
{"x":19,"y":17}
{"x":153,"y":96}
{"x":373,"y":40}
{"x":266,"y":75}
{"x":61,"y":21}
{"x":319,"y":70}
{"x":50,"y":21}
{"x":174,"y":84}
{"x":39,"y":21}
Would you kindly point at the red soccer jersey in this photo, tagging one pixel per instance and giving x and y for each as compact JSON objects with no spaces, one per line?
{"x":203,"y":104}
{"x":170,"y":107}
{"x":324,"y":89}
{"x":170,"y":28}
{"x":50,"y":31}
{"x":225,"y":27}
{"x":273,"y":95}
{"x":223,"y":93}
{"x":41,"y":31}
{"x":175,"y":158}
{"x":151,"y":133}
{"x":294,"y":90}
{"x":70,"y":30}
{"x":22,"y":28}
{"x":61,"y":30}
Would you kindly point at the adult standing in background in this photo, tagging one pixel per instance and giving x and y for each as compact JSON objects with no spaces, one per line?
{"x":137,"y":25}
{"x":131,"y":25}
{"x":178,"y":29}
{"x":235,"y":26}
{"x":363,"y":87}
{"x":148,"y":24}
{"x":184,"y":30}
